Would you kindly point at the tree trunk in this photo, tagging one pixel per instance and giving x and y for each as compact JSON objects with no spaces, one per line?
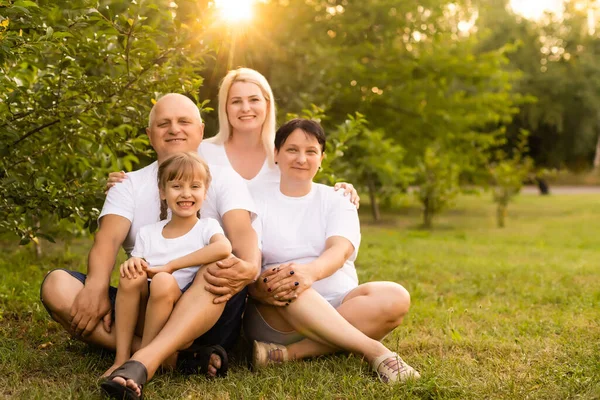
{"x":427,"y":215}
{"x":597,"y":158}
{"x":500,"y":215}
{"x":373,"y":198}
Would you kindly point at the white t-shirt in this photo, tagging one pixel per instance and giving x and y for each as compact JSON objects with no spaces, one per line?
{"x":294,"y":229}
{"x":215,"y":154}
{"x":151,"y":245}
{"x":137,"y":198}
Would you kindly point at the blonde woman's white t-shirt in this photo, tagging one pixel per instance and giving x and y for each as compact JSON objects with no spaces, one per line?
{"x":157,"y":250}
{"x":294,"y":229}
{"x":215,"y":154}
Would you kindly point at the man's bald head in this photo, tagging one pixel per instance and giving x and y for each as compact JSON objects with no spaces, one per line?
{"x":181,"y":99}
{"x":174,"y":125}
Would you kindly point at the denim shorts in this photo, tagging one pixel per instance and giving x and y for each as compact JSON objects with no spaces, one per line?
{"x":224,"y":333}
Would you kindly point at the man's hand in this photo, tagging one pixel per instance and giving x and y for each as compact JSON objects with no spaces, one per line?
{"x":227,"y":277}
{"x":90,"y":305}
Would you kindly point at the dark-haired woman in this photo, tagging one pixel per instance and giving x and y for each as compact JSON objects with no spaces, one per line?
{"x":307,"y":301}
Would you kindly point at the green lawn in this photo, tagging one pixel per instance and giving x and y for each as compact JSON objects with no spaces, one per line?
{"x":500,"y":314}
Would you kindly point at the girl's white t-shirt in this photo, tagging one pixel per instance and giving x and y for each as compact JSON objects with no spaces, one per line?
{"x":215,"y":154}
{"x":294,"y":229}
{"x":157,"y":250}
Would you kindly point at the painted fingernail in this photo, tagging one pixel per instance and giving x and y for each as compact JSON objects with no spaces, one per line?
{"x":269,"y":289}
{"x":291,"y":272}
{"x":296,"y":283}
{"x":265,"y":280}
{"x":274,"y":269}
{"x":287,"y":304}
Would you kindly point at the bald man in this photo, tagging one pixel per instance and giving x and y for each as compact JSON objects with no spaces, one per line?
{"x":84,"y":303}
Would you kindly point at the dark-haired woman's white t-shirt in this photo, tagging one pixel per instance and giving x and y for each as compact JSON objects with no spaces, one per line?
{"x":295,"y":229}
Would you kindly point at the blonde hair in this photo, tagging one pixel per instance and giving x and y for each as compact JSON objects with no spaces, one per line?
{"x":181,"y":166}
{"x":268,"y":129}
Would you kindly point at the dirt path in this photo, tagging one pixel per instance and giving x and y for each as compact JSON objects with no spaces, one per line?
{"x":530,"y":189}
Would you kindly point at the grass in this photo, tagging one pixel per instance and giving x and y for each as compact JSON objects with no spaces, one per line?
{"x":497,"y":314}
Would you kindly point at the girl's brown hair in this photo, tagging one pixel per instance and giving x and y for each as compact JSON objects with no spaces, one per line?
{"x":181,"y":166}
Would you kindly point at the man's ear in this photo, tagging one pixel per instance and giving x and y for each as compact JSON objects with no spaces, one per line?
{"x":149,"y":136}
{"x":201,"y":131}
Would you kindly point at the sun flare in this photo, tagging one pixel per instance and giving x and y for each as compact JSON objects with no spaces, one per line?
{"x":535,"y":9}
{"x":235,"y":10}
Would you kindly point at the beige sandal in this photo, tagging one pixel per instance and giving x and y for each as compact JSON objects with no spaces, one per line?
{"x":392,"y":369}
{"x":268,"y":353}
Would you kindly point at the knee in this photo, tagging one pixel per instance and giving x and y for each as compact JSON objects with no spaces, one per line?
{"x":52,"y":293}
{"x":164,"y":287}
{"x":135,"y":284}
{"x":396,"y":304}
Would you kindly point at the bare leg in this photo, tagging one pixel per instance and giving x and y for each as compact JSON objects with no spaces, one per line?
{"x":312,"y":316}
{"x":132,"y":293}
{"x":164,"y":293}
{"x":374,"y":308}
{"x":193,"y":315}
{"x":58,"y":294}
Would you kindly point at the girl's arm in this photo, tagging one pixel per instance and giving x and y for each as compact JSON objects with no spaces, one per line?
{"x":218,"y":248}
{"x":299,"y":277}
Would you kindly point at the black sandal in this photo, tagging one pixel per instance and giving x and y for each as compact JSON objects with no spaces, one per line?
{"x":196,"y":361}
{"x":133,"y":370}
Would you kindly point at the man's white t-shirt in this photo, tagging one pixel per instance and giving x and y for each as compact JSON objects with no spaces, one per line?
{"x":151,"y":245}
{"x":215,"y":154}
{"x":294,"y":229}
{"x":138,"y":200}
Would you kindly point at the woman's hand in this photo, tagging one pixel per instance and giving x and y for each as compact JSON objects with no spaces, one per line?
{"x":133,"y":267}
{"x":348,"y":189}
{"x":259,"y":292}
{"x":113,"y":179}
{"x":289,"y":280}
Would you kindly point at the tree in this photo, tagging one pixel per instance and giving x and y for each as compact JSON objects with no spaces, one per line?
{"x":558,"y":63}
{"x":437,"y":176}
{"x":508,"y":172}
{"x":76,"y":86}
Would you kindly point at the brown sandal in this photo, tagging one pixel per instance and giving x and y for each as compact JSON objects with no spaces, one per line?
{"x":392,"y":369}
{"x":268,"y":353}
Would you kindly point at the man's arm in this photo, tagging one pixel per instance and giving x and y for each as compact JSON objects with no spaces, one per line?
{"x":92,"y":303}
{"x":231,"y":275}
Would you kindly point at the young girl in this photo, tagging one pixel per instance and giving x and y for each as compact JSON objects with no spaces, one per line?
{"x":155,"y":276}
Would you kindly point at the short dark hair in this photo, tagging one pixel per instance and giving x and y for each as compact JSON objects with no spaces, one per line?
{"x":310,"y":127}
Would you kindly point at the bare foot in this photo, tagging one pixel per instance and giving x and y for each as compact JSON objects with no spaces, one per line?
{"x":213,"y":365}
{"x":111,"y":369}
{"x":130,"y":383}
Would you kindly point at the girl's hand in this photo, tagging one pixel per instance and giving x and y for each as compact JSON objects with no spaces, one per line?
{"x":349,"y":189}
{"x":113,"y":179}
{"x":289,"y":280}
{"x":133,"y":267}
{"x":155,"y":270}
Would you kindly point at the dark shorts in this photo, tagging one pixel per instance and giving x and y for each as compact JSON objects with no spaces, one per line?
{"x":224,"y":333}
